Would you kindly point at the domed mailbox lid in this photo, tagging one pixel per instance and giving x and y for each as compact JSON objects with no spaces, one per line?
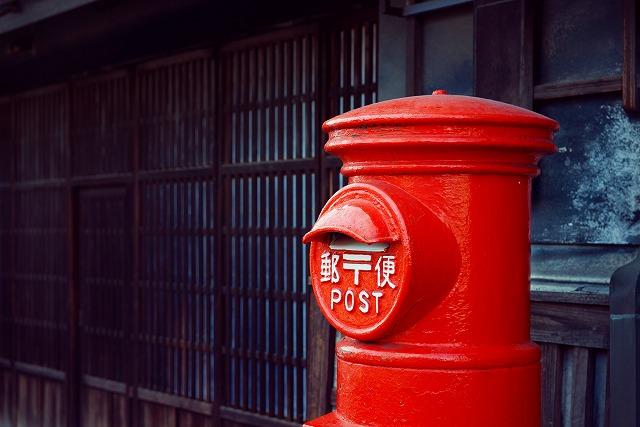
{"x":440,"y":133}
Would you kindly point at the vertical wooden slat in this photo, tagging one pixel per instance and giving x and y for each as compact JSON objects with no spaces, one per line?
{"x":356,"y":55}
{"x":12,"y":266}
{"x":218,"y":377}
{"x":136,"y":253}
{"x":34,"y":402}
{"x":183,"y":294}
{"x":280,"y":287}
{"x":551,"y":384}
{"x":288,"y":297}
{"x":74,"y":358}
{"x":22,"y":409}
{"x":254,"y":278}
{"x":244,"y":264}
{"x":579,"y":387}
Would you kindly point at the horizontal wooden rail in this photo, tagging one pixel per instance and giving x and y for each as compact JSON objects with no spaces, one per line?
{"x":255,"y":168}
{"x":40,"y":371}
{"x":244,"y":417}
{"x":197,"y":406}
{"x":609,"y":84}
{"x":573,"y":293}
{"x":104,"y":384}
{"x":570,"y":324}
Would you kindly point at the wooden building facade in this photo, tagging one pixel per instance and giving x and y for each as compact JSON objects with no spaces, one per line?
{"x":159,"y":165}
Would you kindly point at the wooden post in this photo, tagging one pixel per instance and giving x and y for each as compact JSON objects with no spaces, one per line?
{"x":134,"y":326}
{"x":73,"y":360}
{"x":320,"y":360}
{"x":624,"y":356}
{"x":630,"y":49}
{"x":503,"y":45}
{"x":320,"y":336}
{"x":395,"y":39}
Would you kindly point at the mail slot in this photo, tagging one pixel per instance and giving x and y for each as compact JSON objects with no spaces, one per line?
{"x":422,"y":262}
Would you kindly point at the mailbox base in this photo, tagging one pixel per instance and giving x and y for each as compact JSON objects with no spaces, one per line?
{"x":499,"y":389}
{"x":329,"y":420}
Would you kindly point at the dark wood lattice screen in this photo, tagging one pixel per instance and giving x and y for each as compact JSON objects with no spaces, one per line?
{"x":177,"y":234}
{"x":40,"y":273}
{"x":354,"y":80}
{"x":101,"y":125}
{"x":154,"y":270}
{"x":269,"y":174}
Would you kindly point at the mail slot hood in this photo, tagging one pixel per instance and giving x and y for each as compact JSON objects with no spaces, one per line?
{"x":355,"y":214}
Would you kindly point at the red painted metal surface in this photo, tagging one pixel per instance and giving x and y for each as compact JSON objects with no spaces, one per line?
{"x":422,"y":262}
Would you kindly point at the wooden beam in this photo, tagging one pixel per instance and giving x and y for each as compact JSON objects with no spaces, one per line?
{"x":35,"y":11}
{"x":419,"y":8}
{"x":570,"y":324}
{"x":569,"y":292}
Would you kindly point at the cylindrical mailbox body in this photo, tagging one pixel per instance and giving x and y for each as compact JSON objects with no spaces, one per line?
{"x":422,"y":262}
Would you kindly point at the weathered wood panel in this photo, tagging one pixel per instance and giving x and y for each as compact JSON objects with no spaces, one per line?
{"x":570,"y":324}
{"x":551,"y":383}
{"x":6,"y":397}
{"x":53,"y":407}
{"x":103,"y":409}
{"x":152,"y":414}
{"x":574,"y":340}
{"x":188,"y":419}
{"x":574,"y":386}
{"x":39,"y":402}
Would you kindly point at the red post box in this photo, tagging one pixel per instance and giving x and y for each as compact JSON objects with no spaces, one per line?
{"x":422,"y":262}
